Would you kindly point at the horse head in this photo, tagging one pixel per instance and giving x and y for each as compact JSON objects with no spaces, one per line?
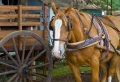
{"x":61,"y":26}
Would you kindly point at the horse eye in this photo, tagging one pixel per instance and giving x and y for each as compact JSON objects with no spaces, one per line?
{"x":67,"y":16}
{"x":53,"y":17}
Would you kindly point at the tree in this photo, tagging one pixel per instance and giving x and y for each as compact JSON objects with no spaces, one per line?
{"x":114,"y":3}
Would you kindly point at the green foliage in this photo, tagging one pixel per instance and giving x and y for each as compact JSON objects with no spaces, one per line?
{"x":103,"y":3}
{"x":115,"y":4}
{"x":62,"y":69}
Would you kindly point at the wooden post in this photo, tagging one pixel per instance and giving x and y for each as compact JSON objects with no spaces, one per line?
{"x":20,"y":25}
{"x":26,"y":2}
{"x":45,"y":21}
{"x":20,"y":17}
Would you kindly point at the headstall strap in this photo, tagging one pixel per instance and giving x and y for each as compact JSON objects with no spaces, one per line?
{"x":69,"y":25}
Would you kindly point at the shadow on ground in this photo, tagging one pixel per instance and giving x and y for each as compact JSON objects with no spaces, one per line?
{"x":86,"y":77}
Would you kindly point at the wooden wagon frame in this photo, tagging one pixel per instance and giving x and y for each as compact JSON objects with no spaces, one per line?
{"x":24,"y":51}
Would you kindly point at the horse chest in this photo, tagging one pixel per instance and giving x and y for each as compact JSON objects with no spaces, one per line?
{"x":80,"y":57}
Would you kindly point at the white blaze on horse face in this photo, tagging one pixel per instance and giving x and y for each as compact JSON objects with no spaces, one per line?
{"x":110,"y":79}
{"x":56,"y":50}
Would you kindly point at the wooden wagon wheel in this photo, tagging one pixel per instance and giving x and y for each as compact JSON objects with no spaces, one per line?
{"x":24,"y":57}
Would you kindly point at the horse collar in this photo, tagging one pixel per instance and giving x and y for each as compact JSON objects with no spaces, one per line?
{"x":84,"y":44}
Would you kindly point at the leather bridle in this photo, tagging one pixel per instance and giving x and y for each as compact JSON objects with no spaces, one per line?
{"x":69,"y":27}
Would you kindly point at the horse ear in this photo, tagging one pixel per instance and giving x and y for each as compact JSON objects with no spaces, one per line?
{"x":68,"y":9}
{"x":54,"y":8}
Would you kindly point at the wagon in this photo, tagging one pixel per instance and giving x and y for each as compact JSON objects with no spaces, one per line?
{"x":24,"y":50}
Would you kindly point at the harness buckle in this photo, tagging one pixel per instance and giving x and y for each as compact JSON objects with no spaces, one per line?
{"x":103,"y":36}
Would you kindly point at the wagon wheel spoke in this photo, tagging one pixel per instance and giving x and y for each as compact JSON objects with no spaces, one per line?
{"x":16,"y":50}
{"x":8,"y":72}
{"x":20,"y":79}
{"x":39,"y":74}
{"x":8,"y":65}
{"x":2,"y":78}
{"x":30,"y":79}
{"x":24,"y":60}
{"x":6,"y":52}
{"x":36,"y":57}
{"x":12,"y":78}
{"x":17,"y":78}
{"x":23,"y":49}
{"x":24,"y":79}
{"x":29,"y":54}
{"x":38,"y":66}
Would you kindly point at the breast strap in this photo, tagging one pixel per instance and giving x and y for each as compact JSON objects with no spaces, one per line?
{"x":84,"y":44}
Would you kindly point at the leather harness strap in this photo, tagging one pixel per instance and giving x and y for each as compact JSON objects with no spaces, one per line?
{"x":84,"y":44}
{"x":90,"y":41}
{"x":102,"y":35}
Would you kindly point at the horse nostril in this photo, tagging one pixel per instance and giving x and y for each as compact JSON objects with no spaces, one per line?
{"x":56,"y":54}
{"x":65,"y":46}
{"x":60,"y":53}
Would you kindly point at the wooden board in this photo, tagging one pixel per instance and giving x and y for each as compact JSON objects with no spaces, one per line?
{"x":15,"y":18}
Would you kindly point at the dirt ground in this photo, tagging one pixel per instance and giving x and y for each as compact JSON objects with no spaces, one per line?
{"x":69,"y":78}
{"x":66,"y":78}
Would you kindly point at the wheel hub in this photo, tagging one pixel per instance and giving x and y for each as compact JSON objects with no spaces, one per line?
{"x":23,"y":70}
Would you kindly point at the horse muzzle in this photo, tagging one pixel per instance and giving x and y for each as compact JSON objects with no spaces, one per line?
{"x":57,"y":55}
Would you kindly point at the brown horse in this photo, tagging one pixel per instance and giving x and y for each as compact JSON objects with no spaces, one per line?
{"x":70,"y":29}
{"x":114,"y":22}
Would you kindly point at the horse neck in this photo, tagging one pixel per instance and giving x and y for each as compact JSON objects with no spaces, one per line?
{"x":79,"y":26}
{"x":77,"y":33}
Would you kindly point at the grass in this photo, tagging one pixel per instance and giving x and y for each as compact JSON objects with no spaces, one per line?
{"x":62,"y":69}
